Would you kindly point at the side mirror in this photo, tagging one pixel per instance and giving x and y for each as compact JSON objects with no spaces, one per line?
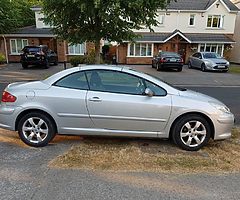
{"x":149,"y":92}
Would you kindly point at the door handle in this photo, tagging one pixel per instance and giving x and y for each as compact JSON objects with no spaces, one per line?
{"x":95,"y":99}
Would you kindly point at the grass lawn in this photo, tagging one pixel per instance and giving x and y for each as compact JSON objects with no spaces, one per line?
{"x":234,"y":69}
{"x":108,"y":154}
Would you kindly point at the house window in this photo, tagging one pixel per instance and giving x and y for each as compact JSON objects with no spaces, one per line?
{"x":161,"y":19}
{"x":192,"y":20}
{"x":217,"y":48}
{"x":17,"y":45}
{"x":77,"y":49}
{"x":215,"y":21}
{"x":140,"y":49}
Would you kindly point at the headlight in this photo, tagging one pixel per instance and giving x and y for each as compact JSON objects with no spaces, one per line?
{"x":220,"y":107}
{"x":208,"y":62}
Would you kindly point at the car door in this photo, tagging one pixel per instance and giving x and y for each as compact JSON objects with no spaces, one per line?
{"x":116,"y":101}
{"x":194,"y":60}
{"x":199,"y":60}
{"x":67,"y":99}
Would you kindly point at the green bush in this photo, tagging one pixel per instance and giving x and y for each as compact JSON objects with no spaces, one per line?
{"x":2,"y":59}
{"x":76,"y":60}
{"x":85,"y":59}
{"x":90,"y":58}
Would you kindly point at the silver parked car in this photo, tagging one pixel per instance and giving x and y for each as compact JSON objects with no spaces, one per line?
{"x":208,"y":61}
{"x":113,"y":101}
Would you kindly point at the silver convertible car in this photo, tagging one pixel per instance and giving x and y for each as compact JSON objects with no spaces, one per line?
{"x":112,"y":101}
{"x":208,"y":61}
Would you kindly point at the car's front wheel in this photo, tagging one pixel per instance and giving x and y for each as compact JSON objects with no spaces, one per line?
{"x":36,"y":129}
{"x":203,"y":67}
{"x":191,"y":132}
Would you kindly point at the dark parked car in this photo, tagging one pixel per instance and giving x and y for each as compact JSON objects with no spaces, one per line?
{"x":208,"y":61}
{"x":38,"y":55}
{"x":167,"y":60}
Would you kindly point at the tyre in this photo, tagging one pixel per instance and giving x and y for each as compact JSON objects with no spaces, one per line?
{"x":36,"y":129}
{"x":153,"y":65}
{"x":24,"y":65}
{"x":191,"y":132}
{"x":203,"y":67}
{"x":179,"y":69}
{"x":46,"y":66}
{"x":55,"y":63}
{"x":158,"y":67}
{"x":189,"y":65}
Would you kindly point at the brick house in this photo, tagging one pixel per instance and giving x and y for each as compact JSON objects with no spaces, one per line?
{"x":40,"y":34}
{"x":186,"y":26}
{"x":235,"y":54}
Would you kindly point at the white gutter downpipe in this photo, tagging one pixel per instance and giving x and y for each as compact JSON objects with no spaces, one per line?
{"x":5,"y":47}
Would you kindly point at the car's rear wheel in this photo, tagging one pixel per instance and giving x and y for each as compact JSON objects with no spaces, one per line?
{"x":191,"y":132}
{"x":203,"y":67}
{"x":24,"y":65}
{"x":153,"y":64}
{"x":46,"y":66}
{"x":36,"y":129}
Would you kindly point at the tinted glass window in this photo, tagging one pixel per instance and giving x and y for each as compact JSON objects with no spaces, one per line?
{"x":158,"y":91}
{"x":211,"y":55}
{"x":171,"y":54}
{"x":31,"y":49}
{"x":116,"y":82}
{"x":76,"y":81}
{"x":119,"y":82}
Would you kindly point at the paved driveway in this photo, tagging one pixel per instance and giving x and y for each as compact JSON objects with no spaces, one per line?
{"x":192,"y":77}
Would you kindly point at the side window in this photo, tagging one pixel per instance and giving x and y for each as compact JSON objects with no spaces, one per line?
{"x":199,"y":56}
{"x":115,"y":82}
{"x":158,"y":91}
{"x":75,"y":81}
{"x":195,"y":55}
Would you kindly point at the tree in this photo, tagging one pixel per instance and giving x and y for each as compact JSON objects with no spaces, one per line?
{"x":78,"y":21}
{"x":7,"y":17}
{"x":15,"y":14}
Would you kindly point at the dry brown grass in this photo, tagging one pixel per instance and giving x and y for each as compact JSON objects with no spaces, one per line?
{"x":150,"y":155}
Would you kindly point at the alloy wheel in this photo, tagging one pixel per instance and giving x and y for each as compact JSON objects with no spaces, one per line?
{"x":35,"y":130}
{"x":193,"y":133}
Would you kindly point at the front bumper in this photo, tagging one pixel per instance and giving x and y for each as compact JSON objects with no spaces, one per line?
{"x":217,"y":67}
{"x":223,"y":126}
{"x":8,"y":116}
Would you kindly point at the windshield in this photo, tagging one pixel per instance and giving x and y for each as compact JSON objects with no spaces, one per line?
{"x":32,"y":49}
{"x":173,"y":86}
{"x":211,"y":55}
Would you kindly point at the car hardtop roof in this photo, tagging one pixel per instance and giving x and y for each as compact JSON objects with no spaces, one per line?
{"x":168,"y":52}
{"x":35,"y":46}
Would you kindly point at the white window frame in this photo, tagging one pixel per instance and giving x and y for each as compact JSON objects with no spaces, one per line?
{"x":161,"y":18}
{"x":134,"y":50}
{"x":220,"y":17}
{"x":74,"y":49}
{"x":211,"y":45}
{"x":14,"y":42}
{"x":192,"y":16}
